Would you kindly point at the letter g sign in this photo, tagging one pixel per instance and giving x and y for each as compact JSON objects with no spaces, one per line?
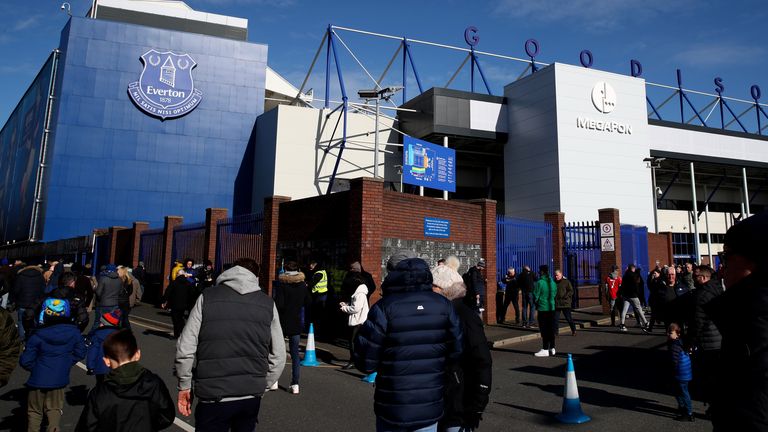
{"x":470,"y":35}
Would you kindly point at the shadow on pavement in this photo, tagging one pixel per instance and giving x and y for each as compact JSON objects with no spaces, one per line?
{"x":603,"y":398}
{"x":76,"y":395}
{"x":161,"y":334}
{"x":16,"y":421}
{"x":545,"y":418}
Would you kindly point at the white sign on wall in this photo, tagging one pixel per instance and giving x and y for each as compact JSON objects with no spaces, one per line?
{"x":606,"y":229}
{"x":607,"y":244}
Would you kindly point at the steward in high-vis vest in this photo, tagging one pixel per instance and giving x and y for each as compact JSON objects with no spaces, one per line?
{"x":232,"y":347}
{"x":318,"y":286}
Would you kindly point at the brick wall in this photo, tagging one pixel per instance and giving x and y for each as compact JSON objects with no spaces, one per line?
{"x":659,"y":249}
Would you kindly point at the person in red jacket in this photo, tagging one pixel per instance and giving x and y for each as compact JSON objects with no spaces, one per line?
{"x":612,"y":284}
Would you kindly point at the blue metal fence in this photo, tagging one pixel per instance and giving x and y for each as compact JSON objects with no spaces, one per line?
{"x":634,"y":248}
{"x":582,"y":252}
{"x":189,"y":242}
{"x":151,"y":250}
{"x":522,"y":242}
{"x":239,"y":237}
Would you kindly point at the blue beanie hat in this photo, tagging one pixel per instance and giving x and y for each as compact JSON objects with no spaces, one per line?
{"x":110,"y":268}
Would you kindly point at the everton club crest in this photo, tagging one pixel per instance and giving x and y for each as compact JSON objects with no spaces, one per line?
{"x":165,"y":88}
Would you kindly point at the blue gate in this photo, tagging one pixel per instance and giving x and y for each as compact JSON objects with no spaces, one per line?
{"x":634,"y":248}
{"x":189,"y":242}
{"x":582,"y":252}
{"x":239,"y":237}
{"x":522,"y":242}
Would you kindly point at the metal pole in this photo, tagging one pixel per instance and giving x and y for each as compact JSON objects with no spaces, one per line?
{"x":376,"y":143}
{"x":421,"y":190}
{"x":695,"y":217}
{"x":655,"y":199}
{"x":709,"y":237}
{"x":746,"y":191}
{"x":445,"y":144}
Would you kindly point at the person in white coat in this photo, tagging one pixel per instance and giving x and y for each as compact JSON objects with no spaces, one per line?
{"x":358,"y":313}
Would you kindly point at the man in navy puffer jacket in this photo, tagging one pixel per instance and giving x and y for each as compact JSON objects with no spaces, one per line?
{"x":409,"y":336}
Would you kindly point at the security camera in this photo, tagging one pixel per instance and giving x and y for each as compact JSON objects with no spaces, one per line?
{"x":63,"y":7}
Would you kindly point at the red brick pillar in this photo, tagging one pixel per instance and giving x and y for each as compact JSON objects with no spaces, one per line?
{"x":212,"y":218}
{"x":113,"y":242}
{"x":365,"y":233}
{"x":269,"y":241}
{"x":610,"y":258}
{"x":671,"y":252}
{"x":138,"y":228}
{"x":557,"y":219}
{"x":488,"y":249}
{"x":169,"y":224}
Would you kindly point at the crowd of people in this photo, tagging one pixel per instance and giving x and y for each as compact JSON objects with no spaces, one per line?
{"x":423,"y":340}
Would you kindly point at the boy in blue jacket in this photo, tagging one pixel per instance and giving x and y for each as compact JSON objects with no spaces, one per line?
{"x":51,"y":351}
{"x":682,"y":370}
{"x":94,"y":361}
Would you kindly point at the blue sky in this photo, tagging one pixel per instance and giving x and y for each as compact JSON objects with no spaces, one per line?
{"x":704,"y":39}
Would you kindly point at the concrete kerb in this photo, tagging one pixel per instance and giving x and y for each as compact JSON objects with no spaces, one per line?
{"x":498,"y":343}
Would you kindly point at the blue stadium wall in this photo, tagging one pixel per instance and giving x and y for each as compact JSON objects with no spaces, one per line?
{"x":112,"y":164}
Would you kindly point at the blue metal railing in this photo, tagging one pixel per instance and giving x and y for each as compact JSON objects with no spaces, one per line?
{"x":189,"y":242}
{"x":151,"y":250}
{"x":522,"y":242}
{"x":239,"y":237}
{"x":582,"y":248}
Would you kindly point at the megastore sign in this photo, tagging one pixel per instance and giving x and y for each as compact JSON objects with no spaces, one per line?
{"x":166,"y":88}
{"x":604,"y":99}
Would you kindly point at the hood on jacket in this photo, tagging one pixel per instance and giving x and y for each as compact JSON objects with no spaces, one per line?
{"x":130,"y":381}
{"x":240,"y":280}
{"x":411,"y":274}
{"x":111,"y":275}
{"x":291,"y":277}
{"x":30,"y":271}
{"x":56,"y":333}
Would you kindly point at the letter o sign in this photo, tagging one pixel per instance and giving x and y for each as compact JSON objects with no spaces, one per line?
{"x":532,"y":48}
{"x":756,"y":93}
{"x":586,"y":58}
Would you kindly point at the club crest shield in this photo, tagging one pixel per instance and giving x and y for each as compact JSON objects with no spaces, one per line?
{"x":166,"y":88}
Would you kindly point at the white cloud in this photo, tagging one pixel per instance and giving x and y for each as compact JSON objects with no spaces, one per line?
{"x":275,"y":3}
{"x":25,"y":23}
{"x":591,"y":15}
{"x":721,"y":53}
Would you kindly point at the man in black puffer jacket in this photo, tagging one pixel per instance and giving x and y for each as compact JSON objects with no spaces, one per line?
{"x":409,"y":337}
{"x":28,"y":292}
{"x":704,"y":335}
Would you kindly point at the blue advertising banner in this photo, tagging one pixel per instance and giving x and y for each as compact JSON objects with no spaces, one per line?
{"x":429,"y":165}
{"x":434,"y":227}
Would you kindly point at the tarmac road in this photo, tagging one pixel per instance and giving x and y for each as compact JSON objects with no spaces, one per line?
{"x":621,"y":379}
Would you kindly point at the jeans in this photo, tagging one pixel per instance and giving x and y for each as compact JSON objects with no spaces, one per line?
{"x":501,"y":310}
{"x":684,"y":398}
{"x":236,"y":416}
{"x":568,"y":317}
{"x":98,"y":312}
{"x":177,"y":318}
{"x":293,"y":344}
{"x":382,"y":426}
{"x":635,"y":302}
{"x":528,"y":308}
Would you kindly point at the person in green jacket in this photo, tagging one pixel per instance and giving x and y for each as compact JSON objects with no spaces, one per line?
{"x":544,"y":293}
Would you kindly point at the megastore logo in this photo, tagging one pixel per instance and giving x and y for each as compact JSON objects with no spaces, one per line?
{"x":604,"y":97}
{"x":166,"y":88}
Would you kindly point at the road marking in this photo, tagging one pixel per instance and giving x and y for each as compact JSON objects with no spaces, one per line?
{"x":183,"y":425}
{"x":149,"y":320}
{"x":150,"y":327}
{"x":82,"y":366}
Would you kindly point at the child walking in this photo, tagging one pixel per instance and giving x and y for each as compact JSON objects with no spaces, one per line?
{"x":94,"y":361}
{"x":682,"y":369}
{"x":130,"y":398}
{"x":51,"y":351}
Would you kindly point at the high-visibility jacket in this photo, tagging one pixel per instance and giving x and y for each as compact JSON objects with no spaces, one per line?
{"x":321,"y":287}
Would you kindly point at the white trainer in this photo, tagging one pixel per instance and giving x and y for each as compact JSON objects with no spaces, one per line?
{"x":294,"y":389}
{"x":552,"y":352}
{"x":542,"y":353}
{"x":273,"y":387}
